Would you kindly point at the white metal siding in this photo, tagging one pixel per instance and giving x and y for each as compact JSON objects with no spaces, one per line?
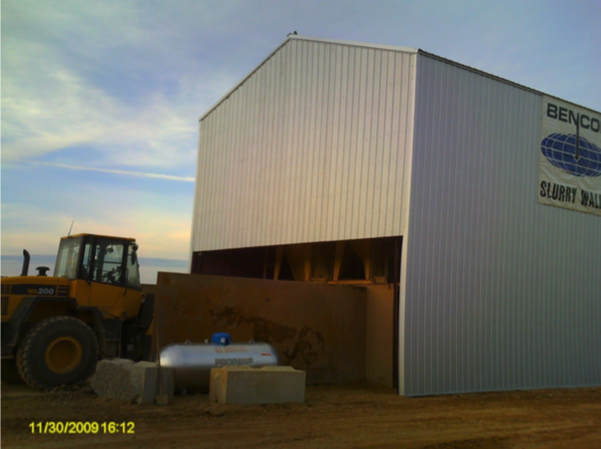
{"x":312,"y":146}
{"x":501,"y":292}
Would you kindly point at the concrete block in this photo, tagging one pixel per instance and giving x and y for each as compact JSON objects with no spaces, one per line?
{"x":129,"y":381}
{"x":144,"y":378}
{"x":167,"y":379}
{"x":113,"y":379}
{"x":247,"y":385}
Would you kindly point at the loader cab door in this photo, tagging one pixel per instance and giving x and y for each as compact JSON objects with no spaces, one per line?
{"x":110,"y":269}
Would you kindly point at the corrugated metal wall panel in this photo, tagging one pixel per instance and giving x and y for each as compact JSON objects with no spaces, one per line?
{"x":501,"y":292}
{"x":311,"y":147}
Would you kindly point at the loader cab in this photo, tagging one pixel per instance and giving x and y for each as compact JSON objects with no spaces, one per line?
{"x":99,"y":259}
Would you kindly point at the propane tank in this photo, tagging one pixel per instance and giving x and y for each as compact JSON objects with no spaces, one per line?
{"x":192,"y":362}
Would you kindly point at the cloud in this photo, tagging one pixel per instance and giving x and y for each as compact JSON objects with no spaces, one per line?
{"x":78,"y":113}
{"x":98,"y":76}
{"x":118,"y":172}
{"x":124,"y":82}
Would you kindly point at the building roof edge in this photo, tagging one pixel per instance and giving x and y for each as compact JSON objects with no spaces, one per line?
{"x":291,"y":37}
{"x":411,"y":50}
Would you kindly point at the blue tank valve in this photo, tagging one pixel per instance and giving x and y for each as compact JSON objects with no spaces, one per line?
{"x":221,"y":338}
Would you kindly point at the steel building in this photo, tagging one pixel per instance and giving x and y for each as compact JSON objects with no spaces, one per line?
{"x":477,"y":198}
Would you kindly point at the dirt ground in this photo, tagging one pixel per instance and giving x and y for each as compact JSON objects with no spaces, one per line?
{"x":356,"y":416}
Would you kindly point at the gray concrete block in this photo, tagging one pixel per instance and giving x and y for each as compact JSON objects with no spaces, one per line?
{"x":144,"y":378}
{"x":165,"y":385}
{"x":247,"y":385}
{"x":129,"y":381}
{"x":113,"y":380}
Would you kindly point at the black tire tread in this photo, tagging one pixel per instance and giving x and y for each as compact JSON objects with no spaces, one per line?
{"x":27,"y":345}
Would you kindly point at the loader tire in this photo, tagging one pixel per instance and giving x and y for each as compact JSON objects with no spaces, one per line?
{"x":58,"y":351}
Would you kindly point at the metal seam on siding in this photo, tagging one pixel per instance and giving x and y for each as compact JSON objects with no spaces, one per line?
{"x":373,"y":161}
{"x":254,"y":113}
{"x":262,"y":184}
{"x":284,"y":124}
{"x":338,"y":125}
{"x":223,"y":157}
{"x":325,"y":150}
{"x":270,"y":92}
{"x":289,"y":145}
{"x":312,"y":133}
{"x":382,"y":190}
{"x":338,"y":134}
{"x":275,"y":167}
{"x":366,"y":126}
{"x":299,"y":127}
{"x":347,"y":144}
{"x":208,"y":161}
{"x":304,"y":180}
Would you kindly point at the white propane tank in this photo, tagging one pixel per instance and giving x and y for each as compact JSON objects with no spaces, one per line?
{"x":192,"y":362}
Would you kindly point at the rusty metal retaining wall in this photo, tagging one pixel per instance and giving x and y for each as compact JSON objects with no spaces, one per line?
{"x":317,"y":328}
{"x":379,"y":334}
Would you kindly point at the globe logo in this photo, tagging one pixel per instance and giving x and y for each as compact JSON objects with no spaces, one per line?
{"x":581,"y":161}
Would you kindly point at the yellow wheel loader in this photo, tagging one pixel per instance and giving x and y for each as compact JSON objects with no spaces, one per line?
{"x":56,"y":328}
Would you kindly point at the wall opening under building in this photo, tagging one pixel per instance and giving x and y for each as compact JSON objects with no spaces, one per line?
{"x":370,"y":267}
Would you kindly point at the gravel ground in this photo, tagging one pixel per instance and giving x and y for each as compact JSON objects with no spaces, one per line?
{"x":356,"y":416}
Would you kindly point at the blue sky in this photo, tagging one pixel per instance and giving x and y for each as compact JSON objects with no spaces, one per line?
{"x":101,"y":99}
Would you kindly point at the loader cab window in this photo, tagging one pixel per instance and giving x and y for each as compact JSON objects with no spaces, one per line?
{"x":86,"y":264}
{"x":132,"y":270}
{"x":68,"y":258}
{"x":107,"y":264}
{"x":104,"y":260}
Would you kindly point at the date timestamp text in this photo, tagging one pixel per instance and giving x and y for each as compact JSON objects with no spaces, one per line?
{"x":73,"y":427}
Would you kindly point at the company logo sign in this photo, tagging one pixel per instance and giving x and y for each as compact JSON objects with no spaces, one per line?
{"x":570,"y":158}
{"x":577,"y":158}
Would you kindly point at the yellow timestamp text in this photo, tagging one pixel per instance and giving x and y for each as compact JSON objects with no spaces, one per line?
{"x":73,"y":427}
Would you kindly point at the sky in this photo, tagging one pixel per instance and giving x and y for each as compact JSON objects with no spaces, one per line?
{"x":101,"y":99}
